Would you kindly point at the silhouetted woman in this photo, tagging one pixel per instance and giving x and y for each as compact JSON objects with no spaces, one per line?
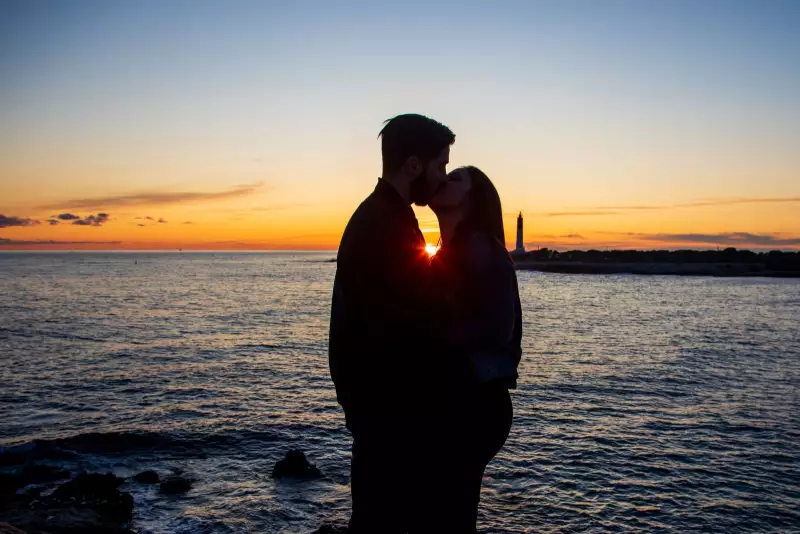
{"x":483,"y":329}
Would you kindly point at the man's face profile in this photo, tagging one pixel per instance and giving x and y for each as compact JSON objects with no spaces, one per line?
{"x":433,"y":176}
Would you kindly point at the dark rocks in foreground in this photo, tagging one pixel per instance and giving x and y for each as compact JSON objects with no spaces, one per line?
{"x":295,"y":465}
{"x":147,"y":477}
{"x":38,"y":474}
{"x":171,"y":485}
{"x":175,"y":484}
{"x":89,"y":503}
{"x":30,"y":474}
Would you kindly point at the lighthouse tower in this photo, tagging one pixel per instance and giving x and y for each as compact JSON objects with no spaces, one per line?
{"x":520,"y":245}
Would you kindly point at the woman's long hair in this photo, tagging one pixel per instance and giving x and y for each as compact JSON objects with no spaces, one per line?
{"x":484,"y":215}
{"x":484,"y":211}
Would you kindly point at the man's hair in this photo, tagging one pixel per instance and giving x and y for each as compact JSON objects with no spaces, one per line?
{"x":409,"y":135}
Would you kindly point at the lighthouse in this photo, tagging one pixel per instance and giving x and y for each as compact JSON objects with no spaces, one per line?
{"x":520,"y":245}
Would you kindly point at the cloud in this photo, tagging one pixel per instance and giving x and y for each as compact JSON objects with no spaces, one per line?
{"x":572,"y":236}
{"x":729,"y":201}
{"x":93,"y":220}
{"x":151,"y":198}
{"x":621,"y":209}
{"x":4,"y":241}
{"x":618,"y":208}
{"x":281,"y":207}
{"x":704,"y":203}
{"x":140,"y":224}
{"x":161,"y":220}
{"x":149,"y":218}
{"x":188,"y":222}
{"x":8,"y":221}
{"x":579,"y":213}
{"x":728,"y":238}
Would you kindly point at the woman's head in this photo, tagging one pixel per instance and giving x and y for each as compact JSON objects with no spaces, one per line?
{"x":470,"y":196}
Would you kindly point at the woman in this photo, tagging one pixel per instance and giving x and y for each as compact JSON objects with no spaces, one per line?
{"x":483,"y":330}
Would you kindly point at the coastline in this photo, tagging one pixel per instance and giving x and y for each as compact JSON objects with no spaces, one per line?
{"x":655,"y":268}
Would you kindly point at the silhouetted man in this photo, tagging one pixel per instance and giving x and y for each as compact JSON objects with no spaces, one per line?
{"x":382,"y":351}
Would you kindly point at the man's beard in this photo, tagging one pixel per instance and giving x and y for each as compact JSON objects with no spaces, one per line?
{"x":419,"y":192}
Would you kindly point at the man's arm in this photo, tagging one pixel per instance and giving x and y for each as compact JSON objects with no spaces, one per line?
{"x":380,"y":318}
{"x":391,"y":274}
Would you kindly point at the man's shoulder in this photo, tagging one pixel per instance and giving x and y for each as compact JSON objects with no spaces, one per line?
{"x":365,"y":220}
{"x":374,"y":218}
{"x":371,"y":208}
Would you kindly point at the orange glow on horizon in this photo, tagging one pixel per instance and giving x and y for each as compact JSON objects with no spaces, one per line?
{"x":259,"y":222}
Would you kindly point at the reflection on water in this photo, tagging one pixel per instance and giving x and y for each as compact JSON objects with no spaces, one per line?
{"x":646,"y":403}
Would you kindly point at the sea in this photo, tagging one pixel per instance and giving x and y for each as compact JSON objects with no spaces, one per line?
{"x":645,"y":403}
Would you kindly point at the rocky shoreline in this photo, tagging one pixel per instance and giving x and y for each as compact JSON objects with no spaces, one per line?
{"x":37,"y":497}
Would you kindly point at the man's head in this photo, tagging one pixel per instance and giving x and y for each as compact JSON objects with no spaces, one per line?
{"x":416,"y":151}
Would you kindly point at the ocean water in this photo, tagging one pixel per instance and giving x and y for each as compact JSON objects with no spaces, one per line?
{"x":659,"y":404}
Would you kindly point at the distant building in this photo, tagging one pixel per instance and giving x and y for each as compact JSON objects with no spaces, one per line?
{"x":520,"y":245}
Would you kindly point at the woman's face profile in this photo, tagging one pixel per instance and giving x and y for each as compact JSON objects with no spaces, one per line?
{"x":454,"y":192}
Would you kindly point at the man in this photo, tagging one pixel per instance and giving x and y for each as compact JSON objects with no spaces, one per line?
{"x":382,"y":350}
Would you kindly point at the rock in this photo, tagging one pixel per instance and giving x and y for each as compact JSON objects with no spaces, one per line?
{"x":98,"y":492}
{"x":175,"y":484}
{"x":295,"y":465}
{"x":147,"y":477}
{"x":39,"y":474}
{"x":88,"y":486}
{"x":90,"y":503}
{"x":30,"y":474}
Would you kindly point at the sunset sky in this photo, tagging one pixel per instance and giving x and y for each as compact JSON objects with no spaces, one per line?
{"x":252,"y":124}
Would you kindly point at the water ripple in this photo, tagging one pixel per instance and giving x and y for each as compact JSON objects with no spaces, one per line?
{"x":657,"y":404}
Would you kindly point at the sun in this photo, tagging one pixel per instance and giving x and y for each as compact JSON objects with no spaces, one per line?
{"x":431,"y":249}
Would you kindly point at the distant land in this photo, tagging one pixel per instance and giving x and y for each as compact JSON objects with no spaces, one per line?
{"x":726,"y":262}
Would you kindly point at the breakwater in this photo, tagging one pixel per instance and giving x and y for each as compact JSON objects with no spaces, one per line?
{"x":659,"y":268}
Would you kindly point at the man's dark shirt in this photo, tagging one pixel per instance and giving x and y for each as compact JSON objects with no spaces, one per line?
{"x":381,"y":353}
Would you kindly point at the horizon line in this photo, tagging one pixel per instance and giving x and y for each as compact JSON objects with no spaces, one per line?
{"x":320,"y":251}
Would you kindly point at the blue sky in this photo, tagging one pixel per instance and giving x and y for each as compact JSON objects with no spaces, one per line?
{"x":567,"y":104}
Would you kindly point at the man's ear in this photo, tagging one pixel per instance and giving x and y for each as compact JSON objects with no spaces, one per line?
{"x":413,"y":166}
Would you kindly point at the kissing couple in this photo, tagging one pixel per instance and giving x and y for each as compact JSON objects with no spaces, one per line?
{"x":423,"y":350}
